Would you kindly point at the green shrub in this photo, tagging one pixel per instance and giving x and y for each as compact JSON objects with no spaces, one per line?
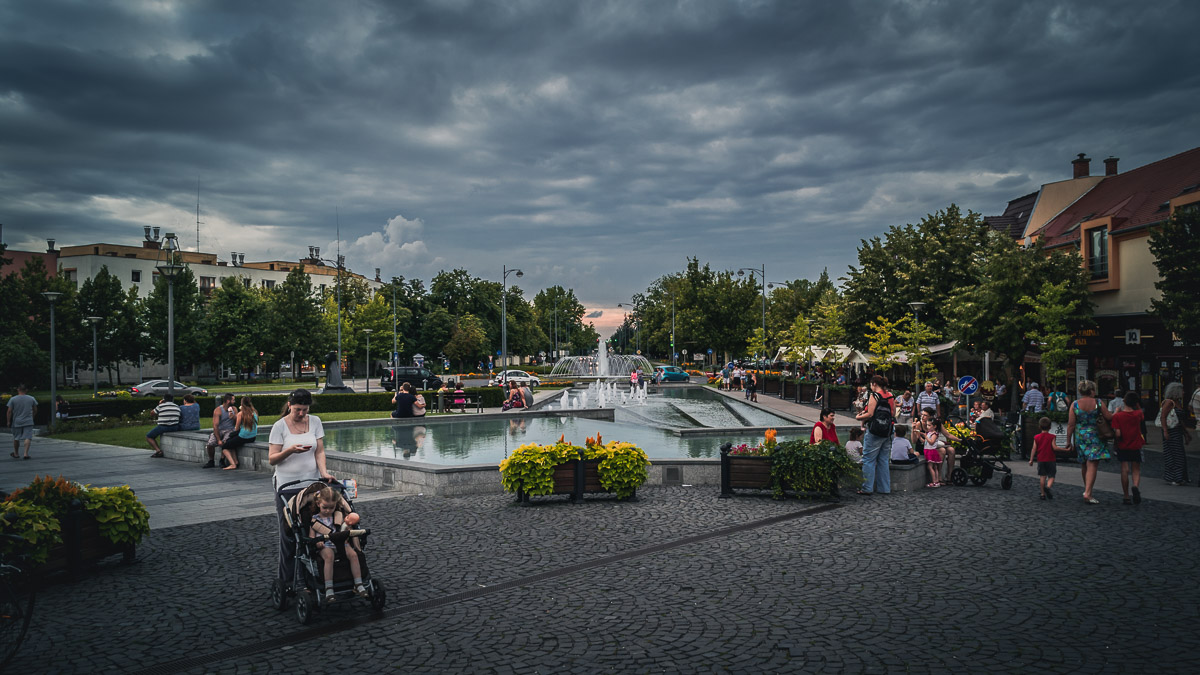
{"x":530,"y":468}
{"x":121,"y":517}
{"x":622,"y":466}
{"x":805,"y":467}
{"x":37,"y":525}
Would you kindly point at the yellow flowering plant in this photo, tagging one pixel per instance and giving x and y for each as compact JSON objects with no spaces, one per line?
{"x":530,"y":468}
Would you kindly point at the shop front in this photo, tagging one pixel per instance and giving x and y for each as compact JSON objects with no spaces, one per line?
{"x":1135,"y":352}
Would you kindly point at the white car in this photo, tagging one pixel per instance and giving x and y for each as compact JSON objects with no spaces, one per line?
{"x":518,"y":376}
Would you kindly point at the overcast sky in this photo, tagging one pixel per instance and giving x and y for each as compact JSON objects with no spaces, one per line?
{"x":593,"y":144}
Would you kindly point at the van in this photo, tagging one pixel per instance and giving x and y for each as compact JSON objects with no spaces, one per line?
{"x":420,"y":378}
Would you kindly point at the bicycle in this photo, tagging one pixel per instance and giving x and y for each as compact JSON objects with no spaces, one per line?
{"x":16,"y":606}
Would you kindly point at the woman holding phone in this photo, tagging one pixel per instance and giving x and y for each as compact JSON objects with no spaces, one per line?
{"x":297,"y":451}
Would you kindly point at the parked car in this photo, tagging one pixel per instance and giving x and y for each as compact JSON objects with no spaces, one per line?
{"x":420,"y":378}
{"x":159,"y":388}
{"x":672,"y":374}
{"x":518,"y":376}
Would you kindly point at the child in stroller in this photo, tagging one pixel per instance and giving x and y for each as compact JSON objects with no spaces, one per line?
{"x":326,"y":522}
{"x":321,"y":573}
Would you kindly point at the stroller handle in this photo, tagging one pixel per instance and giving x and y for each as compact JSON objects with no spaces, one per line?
{"x":307,"y":481}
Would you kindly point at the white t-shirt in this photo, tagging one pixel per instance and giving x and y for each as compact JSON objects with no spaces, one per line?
{"x":303,"y":465}
{"x":1196,"y":403}
{"x":900,"y":448}
{"x":855,"y":450}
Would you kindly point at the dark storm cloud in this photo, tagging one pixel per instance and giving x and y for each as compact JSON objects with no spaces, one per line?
{"x":593,"y":144}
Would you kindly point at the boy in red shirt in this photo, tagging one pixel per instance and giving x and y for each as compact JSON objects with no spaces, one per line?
{"x":1044,"y":447}
{"x":1127,"y":424}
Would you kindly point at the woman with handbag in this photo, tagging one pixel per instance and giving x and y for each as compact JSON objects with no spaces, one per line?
{"x":880,"y":415}
{"x":1088,"y":431}
{"x":1175,"y":435}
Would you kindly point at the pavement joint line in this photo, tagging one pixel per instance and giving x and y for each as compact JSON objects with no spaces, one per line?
{"x":324,"y":631}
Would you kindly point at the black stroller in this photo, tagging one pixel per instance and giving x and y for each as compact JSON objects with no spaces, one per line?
{"x":982,"y":455}
{"x":308,"y":580}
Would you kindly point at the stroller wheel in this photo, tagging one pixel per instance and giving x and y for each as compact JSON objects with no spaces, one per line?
{"x":958,"y":477}
{"x":304,"y":607}
{"x":279,"y":598}
{"x":378,"y":595}
{"x":1006,"y":482}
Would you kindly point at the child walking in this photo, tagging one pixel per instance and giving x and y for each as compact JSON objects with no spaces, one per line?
{"x":326,"y":521}
{"x":1127,"y":423}
{"x":1045,"y":445}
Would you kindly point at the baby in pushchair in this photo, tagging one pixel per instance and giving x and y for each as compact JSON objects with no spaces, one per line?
{"x":328,"y":522}
{"x":329,"y":561}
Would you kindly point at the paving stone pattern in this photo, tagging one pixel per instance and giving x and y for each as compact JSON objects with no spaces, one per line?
{"x":956,"y":578}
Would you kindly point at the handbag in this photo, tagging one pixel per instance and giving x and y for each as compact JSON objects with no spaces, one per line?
{"x":1103,"y":427}
{"x":1172,"y":420}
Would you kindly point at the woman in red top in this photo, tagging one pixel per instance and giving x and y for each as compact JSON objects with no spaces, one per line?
{"x":1127,"y":424}
{"x":824,"y":429}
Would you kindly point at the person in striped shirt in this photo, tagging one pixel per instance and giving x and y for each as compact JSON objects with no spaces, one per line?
{"x":166,"y":414}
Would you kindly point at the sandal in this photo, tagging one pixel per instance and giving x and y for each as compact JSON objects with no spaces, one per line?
{"x":861,"y":492}
{"x":14,"y":455}
{"x":157,"y":455}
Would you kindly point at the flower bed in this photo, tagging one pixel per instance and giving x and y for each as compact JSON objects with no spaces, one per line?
{"x":562,"y":468}
{"x":66,"y":526}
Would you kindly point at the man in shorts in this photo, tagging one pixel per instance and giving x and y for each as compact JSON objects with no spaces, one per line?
{"x":21,"y":409}
{"x":166,"y":413}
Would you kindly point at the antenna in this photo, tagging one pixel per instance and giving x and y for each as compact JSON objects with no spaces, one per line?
{"x":197,"y":214}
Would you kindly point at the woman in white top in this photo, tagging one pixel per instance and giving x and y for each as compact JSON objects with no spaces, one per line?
{"x":297,"y":451}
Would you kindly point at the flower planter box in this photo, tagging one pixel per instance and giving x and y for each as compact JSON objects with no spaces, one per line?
{"x":808,"y":392}
{"x":574,"y":479}
{"x":754,"y":473}
{"x":839,"y":399}
{"x":82,"y":546}
{"x":789,"y":390}
{"x":770,"y":385}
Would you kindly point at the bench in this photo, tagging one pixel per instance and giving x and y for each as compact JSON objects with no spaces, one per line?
{"x":447,"y":400}
{"x":79,"y":411}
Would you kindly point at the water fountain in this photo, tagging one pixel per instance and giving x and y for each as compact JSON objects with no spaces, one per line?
{"x":600,"y":366}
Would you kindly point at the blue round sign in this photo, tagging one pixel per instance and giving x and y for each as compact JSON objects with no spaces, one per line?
{"x":968,"y":385}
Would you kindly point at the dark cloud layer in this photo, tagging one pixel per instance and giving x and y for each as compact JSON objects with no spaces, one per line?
{"x":593,"y":144}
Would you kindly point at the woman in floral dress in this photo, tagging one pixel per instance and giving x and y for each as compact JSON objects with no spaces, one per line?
{"x":1083,"y":435}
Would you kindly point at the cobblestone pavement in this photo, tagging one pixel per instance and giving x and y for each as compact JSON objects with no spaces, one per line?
{"x":958,"y":578}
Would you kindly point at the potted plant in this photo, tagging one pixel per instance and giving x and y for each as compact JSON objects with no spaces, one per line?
{"x":90,"y":523}
{"x":617,"y":467}
{"x":839,"y":396}
{"x":792,"y":466}
{"x":562,"y":468}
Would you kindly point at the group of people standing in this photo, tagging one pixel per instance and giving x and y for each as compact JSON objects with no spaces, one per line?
{"x":734,"y":378}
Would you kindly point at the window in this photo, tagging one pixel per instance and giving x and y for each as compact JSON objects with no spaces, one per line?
{"x":136,"y":277}
{"x":208,"y":283}
{"x":1098,"y":253}
{"x":246,"y":282}
{"x":268,"y":284}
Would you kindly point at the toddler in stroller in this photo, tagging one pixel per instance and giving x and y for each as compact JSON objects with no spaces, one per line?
{"x":329,"y":561}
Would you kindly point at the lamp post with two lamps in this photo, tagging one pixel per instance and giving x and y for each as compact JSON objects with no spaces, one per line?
{"x":53,"y":297}
{"x":367,"y":332}
{"x":504,"y":321}
{"x":762,"y":272}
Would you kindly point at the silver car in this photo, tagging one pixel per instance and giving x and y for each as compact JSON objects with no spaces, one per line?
{"x":159,"y":388}
{"x":518,"y":376}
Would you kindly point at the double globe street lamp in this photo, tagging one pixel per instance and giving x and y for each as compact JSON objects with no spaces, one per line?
{"x":95,"y":354}
{"x":504,"y":321}
{"x":53,"y":297}
{"x":169,"y":268}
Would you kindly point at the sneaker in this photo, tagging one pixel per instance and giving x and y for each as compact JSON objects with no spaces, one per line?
{"x":329,"y":596}
{"x":1042,"y":497}
{"x":209,"y":465}
{"x":1137,"y":495}
{"x":1049,"y":494}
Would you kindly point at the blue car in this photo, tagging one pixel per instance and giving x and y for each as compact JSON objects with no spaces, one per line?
{"x":672,"y":374}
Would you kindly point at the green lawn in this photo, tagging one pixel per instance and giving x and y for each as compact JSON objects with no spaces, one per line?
{"x":135,"y":437}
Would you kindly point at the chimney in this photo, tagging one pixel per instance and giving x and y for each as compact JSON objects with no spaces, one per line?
{"x":376,"y":274}
{"x":1082,"y":166}
{"x":49,"y":246}
{"x":241,"y":259}
{"x":147,"y":233}
{"x":1110,"y":166}
{"x":233,"y":258}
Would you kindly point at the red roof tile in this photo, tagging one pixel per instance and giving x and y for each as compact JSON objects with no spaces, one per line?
{"x":1134,"y":198}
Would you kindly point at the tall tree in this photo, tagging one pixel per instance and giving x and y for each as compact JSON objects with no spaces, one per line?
{"x":101,"y":296}
{"x":235,"y":326}
{"x":1176,"y":249}
{"x":467,"y":341}
{"x":1052,"y":310}
{"x":295,"y":320}
{"x":191,"y":344}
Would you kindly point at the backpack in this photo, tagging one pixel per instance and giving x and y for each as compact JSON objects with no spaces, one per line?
{"x":881,"y":422}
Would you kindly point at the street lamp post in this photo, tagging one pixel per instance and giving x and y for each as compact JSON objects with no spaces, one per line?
{"x":53,"y":297}
{"x":916,"y":308}
{"x":762,"y":272}
{"x":95,"y":354}
{"x":170,"y":269}
{"x":395,"y":345}
{"x":368,"y":332}
{"x":504,"y":321}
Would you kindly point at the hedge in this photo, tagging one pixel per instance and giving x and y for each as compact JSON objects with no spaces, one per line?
{"x":268,"y":405}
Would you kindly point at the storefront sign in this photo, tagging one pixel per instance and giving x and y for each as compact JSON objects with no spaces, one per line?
{"x":1133,"y":336}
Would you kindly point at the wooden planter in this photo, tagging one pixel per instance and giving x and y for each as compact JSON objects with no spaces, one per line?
{"x":574,"y":479}
{"x":808,"y":392}
{"x":789,"y":390}
{"x":740,"y":472}
{"x":770,"y":385}
{"x":839,"y":399}
{"x":82,"y":546}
